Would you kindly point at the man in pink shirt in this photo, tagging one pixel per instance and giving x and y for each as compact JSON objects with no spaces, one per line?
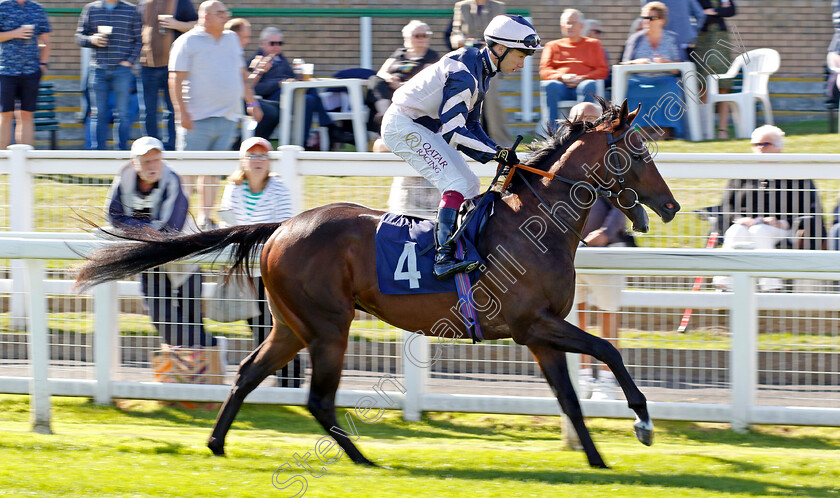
{"x":573,"y":63}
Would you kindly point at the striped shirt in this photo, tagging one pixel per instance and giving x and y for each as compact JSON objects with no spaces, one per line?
{"x":125,"y":40}
{"x":271,"y":205}
{"x":446,"y":97}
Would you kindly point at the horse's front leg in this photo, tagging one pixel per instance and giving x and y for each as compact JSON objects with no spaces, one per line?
{"x":552,"y":331}
{"x":553,"y":365}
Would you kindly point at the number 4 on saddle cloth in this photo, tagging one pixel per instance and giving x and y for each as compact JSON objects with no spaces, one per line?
{"x":405,"y":255}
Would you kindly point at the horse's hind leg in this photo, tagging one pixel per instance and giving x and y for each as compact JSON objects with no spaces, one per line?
{"x":278,"y":349}
{"x":327,"y":357}
{"x":556,"y":371}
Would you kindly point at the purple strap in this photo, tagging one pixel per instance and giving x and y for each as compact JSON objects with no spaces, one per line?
{"x":462,"y":283}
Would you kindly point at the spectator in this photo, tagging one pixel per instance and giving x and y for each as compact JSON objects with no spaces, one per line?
{"x":210,"y":59}
{"x":653,"y":44}
{"x":684,"y":19}
{"x":713,"y":49}
{"x":273,"y":69}
{"x":763,"y":214}
{"x":403,"y":64}
{"x":605,"y":227}
{"x":242,"y":28}
{"x":835,"y":19}
{"x":147,"y":195}
{"x":470,"y":17}
{"x":23,"y":30}
{"x":571,"y":65}
{"x":113,"y":29}
{"x":163,"y":22}
{"x":254,"y":195}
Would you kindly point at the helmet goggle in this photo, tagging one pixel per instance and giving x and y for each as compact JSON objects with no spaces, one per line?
{"x":530,"y":41}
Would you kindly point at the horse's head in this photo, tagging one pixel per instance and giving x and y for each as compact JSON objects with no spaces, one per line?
{"x":627,"y":169}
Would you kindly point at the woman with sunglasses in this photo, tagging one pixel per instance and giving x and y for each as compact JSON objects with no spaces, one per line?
{"x":254,"y":195}
{"x":404,"y":63}
{"x":437,"y":113}
{"x":654,"y":45}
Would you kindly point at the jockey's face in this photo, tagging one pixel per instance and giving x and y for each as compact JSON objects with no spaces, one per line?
{"x":512,"y":62}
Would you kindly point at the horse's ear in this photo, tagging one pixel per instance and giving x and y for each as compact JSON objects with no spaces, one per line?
{"x":632,"y":116}
{"x":622,"y":114}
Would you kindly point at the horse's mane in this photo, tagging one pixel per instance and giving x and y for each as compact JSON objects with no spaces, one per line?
{"x":548,"y":150}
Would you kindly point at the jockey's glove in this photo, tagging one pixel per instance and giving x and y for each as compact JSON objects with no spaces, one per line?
{"x":506,"y":156}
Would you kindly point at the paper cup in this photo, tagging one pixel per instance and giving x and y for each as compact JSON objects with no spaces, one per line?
{"x":104,"y":30}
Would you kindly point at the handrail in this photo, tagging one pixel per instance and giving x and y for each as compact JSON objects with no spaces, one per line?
{"x":314,"y":12}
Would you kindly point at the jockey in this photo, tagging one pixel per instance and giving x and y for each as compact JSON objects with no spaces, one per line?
{"x":437,"y":113}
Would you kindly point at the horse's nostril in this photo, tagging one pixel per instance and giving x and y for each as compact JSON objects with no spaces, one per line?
{"x":670,"y":205}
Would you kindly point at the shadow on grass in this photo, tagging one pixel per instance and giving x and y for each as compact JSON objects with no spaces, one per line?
{"x":686,"y":482}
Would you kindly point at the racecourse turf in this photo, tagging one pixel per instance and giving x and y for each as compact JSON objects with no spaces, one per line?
{"x":139,"y":448}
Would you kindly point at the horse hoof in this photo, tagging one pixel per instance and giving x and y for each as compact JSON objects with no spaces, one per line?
{"x":365,"y":461}
{"x":216,"y":447}
{"x":644,"y":431}
{"x":599,"y":465}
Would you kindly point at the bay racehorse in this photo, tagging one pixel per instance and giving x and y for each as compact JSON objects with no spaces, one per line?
{"x":319,"y":268}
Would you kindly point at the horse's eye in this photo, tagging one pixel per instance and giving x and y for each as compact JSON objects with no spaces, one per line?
{"x":638,"y":157}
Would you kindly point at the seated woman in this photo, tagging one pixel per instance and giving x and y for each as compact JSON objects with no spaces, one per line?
{"x":655,"y":45}
{"x":147,"y":195}
{"x":769,"y":213}
{"x":254,"y":195}
{"x":403,"y":64}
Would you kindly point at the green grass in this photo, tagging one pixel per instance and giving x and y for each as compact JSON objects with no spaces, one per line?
{"x":147,"y":450}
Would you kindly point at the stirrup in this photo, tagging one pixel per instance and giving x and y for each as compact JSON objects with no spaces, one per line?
{"x":453,"y":268}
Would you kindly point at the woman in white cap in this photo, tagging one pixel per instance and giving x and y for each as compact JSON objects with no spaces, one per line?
{"x":254,"y":195}
{"x":437,"y":113}
{"x":147,"y":194}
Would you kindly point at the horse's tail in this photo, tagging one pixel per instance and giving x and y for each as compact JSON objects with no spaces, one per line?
{"x":151,"y":248}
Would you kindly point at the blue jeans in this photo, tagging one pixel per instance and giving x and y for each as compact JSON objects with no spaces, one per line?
{"x":154,"y":80}
{"x":210,"y":134}
{"x":556,"y":91}
{"x":116,"y":81}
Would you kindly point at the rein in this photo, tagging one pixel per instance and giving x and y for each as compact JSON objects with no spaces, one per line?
{"x":596,"y":191}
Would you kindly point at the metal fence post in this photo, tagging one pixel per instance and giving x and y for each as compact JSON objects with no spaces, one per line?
{"x":20,"y":220}
{"x":39,"y":346}
{"x":106,"y":339}
{"x":743,"y":356}
{"x":289,"y":172}
{"x":416,"y":364}
{"x":365,"y":42}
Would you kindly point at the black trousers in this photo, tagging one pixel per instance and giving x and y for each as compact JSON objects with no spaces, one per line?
{"x":291,"y":375}
{"x":175,"y":311}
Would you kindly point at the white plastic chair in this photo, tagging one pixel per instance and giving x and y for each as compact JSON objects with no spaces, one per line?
{"x":757,"y":65}
{"x":563,"y":104}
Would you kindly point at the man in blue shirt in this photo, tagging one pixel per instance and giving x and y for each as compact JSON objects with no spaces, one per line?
{"x":24,"y":52}
{"x":112,"y":28}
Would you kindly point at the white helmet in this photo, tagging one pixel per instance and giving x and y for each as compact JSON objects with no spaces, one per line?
{"x":512,"y":32}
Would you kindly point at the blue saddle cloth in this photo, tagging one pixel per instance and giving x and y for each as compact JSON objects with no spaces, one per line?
{"x":405,"y":254}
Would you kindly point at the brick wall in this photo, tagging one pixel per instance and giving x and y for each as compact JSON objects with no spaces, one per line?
{"x":799,"y":29}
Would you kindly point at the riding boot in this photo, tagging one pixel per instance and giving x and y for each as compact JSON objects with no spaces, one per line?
{"x":446,"y":264}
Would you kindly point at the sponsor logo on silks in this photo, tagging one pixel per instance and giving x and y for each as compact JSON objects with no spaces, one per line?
{"x":413,"y":139}
{"x":432,"y":157}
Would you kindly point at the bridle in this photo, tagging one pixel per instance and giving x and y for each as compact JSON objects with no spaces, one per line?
{"x":595,"y":191}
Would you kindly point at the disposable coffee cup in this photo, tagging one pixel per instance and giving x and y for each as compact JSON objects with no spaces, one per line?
{"x":307,"y":71}
{"x":161,"y":18}
{"x":30,"y":27}
{"x":104,"y":30}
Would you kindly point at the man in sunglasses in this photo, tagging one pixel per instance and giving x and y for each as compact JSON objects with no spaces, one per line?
{"x":436,"y":113}
{"x":270,"y":71}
